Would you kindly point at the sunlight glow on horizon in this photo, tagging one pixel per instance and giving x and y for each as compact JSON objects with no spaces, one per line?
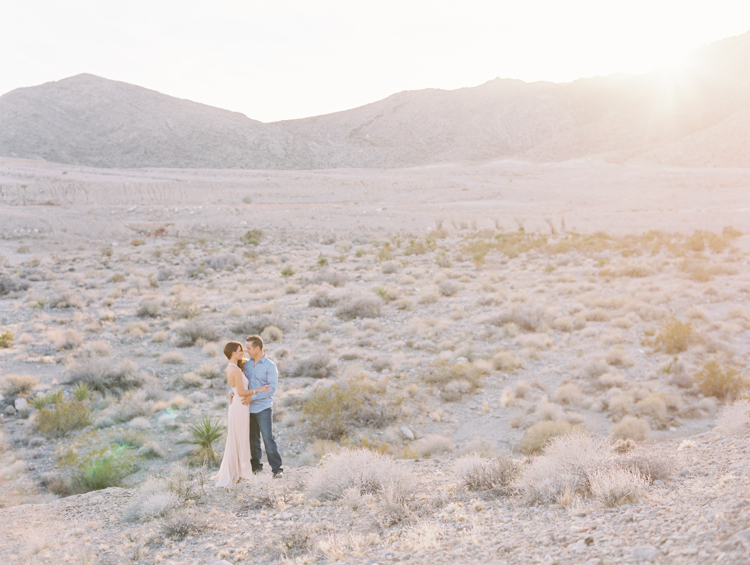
{"x":287,"y":59}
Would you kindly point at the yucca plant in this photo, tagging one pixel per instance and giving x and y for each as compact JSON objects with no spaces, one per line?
{"x":204,"y":433}
{"x":39,"y":401}
{"x":81,"y":392}
{"x":55,"y":397}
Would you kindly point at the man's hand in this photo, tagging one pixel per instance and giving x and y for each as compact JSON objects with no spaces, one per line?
{"x":231,"y":395}
{"x":246,"y":400}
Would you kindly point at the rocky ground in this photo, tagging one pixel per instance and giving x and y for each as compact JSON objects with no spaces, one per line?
{"x":444,"y":325}
{"x":701,"y":514}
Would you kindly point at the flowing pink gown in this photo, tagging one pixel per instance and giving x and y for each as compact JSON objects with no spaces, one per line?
{"x":236,"y":462}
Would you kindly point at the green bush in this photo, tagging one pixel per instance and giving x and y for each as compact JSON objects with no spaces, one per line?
{"x":722,"y":381}
{"x":252,"y":237}
{"x":6,"y":340}
{"x":103,"y":468}
{"x":287,"y":272}
{"x":416,"y":247}
{"x":62,"y":417}
{"x":333,"y":412}
{"x":540,"y":434}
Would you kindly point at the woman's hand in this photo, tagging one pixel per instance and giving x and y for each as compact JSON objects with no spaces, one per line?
{"x":264,"y":388}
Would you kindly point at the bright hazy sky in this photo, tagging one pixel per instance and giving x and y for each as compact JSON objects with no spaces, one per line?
{"x":283,"y":59}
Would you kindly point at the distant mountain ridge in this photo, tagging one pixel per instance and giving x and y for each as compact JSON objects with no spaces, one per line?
{"x":699,"y":117}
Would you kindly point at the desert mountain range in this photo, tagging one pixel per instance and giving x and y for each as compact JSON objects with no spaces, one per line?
{"x":698,"y":115}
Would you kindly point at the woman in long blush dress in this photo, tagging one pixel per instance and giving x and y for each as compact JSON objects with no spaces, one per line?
{"x":235,"y":464}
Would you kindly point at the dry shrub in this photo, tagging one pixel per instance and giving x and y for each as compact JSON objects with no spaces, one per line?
{"x":433,"y":444}
{"x":63,"y":417}
{"x":296,"y":541}
{"x":193,"y":331}
{"x":97,"y":348}
{"x":568,"y":323}
{"x":528,"y":318}
{"x":452,"y":379}
{"x":12,"y":284}
{"x":719,"y":380}
{"x":271,"y":334}
{"x":620,"y":405}
{"x":421,"y":536}
{"x":323,"y":299}
{"x":367,"y":471}
{"x":18,"y":385}
{"x":654,"y":407}
{"x":674,"y":337}
{"x":546,"y":410}
{"x":478,"y":473}
{"x":595,"y":368}
{"x":565,"y":466}
{"x":255,"y":324}
{"x":66,"y":300}
{"x":622,"y":322}
{"x":153,"y":500}
{"x":107,"y":375}
{"x":182,"y":523}
{"x":734,"y":419}
{"x":65,"y":339}
{"x":505,"y":361}
{"x":597,"y":315}
{"x":614,"y":486}
{"x":224,"y":262}
{"x":429,"y":298}
{"x":448,"y":288}
{"x":359,"y":307}
{"x":131,"y":405}
{"x":542,"y":433}
{"x":618,"y":357}
{"x":332,"y":412}
{"x":534,"y":341}
{"x":630,"y":427}
{"x":149,"y":309}
{"x":648,"y":465}
{"x":318,"y":366}
{"x":569,"y":394}
{"x":172,"y":358}
{"x":331,"y":276}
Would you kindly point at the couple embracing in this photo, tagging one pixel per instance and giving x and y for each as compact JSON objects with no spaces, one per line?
{"x":253,"y":383}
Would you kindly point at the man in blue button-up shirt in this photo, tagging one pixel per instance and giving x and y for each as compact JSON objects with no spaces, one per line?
{"x":261,"y":371}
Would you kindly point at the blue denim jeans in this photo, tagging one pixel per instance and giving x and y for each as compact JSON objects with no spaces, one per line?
{"x":261,"y":424}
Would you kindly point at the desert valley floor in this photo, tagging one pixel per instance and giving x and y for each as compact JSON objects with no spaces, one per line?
{"x":496,"y":363}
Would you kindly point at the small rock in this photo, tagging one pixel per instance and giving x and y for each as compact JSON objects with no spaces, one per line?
{"x":646,"y":553}
{"x":742,"y":537}
{"x":10,"y":410}
{"x":222,"y":562}
{"x":407,"y":433}
{"x":21,"y":404}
